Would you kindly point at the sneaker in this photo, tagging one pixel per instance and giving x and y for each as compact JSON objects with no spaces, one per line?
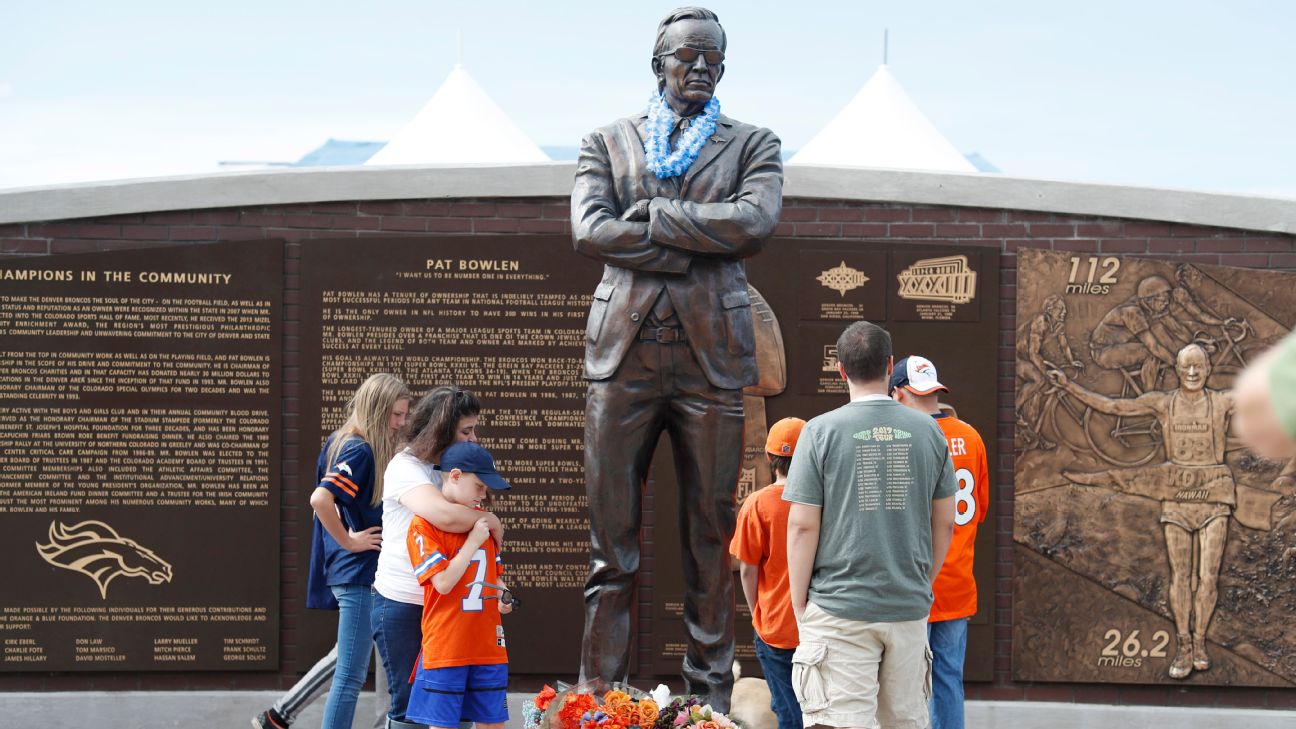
{"x":269,"y":719}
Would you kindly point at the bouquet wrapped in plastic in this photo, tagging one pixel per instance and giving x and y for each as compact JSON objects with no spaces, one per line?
{"x":623,"y":707}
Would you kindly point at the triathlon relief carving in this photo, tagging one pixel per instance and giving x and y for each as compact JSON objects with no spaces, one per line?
{"x":1151,"y":547}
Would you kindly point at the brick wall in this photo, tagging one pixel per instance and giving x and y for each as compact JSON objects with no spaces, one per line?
{"x":1006,"y":230}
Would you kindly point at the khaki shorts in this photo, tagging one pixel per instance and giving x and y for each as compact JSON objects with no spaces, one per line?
{"x":841,"y":677}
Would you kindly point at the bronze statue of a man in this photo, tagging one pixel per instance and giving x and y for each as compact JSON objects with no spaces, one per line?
{"x":671,"y":201}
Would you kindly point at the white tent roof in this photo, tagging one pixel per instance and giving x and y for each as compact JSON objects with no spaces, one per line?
{"x":459,"y":124}
{"x":882,"y":127}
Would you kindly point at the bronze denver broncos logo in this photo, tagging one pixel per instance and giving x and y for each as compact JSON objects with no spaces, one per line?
{"x":96,"y":550}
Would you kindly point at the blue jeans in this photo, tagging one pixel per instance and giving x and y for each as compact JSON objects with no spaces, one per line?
{"x":354,"y":638}
{"x":777,"y":665}
{"x":398,"y":630}
{"x":948,"y":641}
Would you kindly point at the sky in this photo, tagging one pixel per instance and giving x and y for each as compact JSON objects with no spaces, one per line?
{"x":1182,"y":94}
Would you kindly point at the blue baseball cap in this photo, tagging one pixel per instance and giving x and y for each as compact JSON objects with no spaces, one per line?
{"x":472,"y":458}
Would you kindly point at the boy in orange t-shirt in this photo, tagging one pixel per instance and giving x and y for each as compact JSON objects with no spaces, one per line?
{"x":914,"y":384}
{"x":462,"y":672}
{"x":760,"y":544}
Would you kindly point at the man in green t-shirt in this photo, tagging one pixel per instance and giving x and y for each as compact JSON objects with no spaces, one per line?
{"x":872,"y":491}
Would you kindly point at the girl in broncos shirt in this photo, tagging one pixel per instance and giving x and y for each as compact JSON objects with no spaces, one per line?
{"x":347,"y":532}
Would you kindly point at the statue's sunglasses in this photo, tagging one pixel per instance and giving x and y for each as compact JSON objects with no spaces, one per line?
{"x":688,"y":54}
{"x":505,"y":595}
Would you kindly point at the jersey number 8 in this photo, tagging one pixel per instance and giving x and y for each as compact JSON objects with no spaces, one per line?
{"x":965,"y":505}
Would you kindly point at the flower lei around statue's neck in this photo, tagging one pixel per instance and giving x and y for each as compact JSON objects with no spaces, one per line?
{"x":661,"y":122}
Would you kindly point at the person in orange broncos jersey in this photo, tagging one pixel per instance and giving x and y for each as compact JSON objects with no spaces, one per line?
{"x":462,"y":671}
{"x":914,"y":384}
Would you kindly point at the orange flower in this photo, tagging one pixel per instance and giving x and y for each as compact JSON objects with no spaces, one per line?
{"x":625,"y":713}
{"x":615,"y":698}
{"x":545,"y":697}
{"x":708,"y":724}
{"x":648,"y":712}
{"x":573,"y":708}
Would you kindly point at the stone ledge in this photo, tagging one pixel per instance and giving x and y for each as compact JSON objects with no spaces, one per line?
{"x":328,"y":184}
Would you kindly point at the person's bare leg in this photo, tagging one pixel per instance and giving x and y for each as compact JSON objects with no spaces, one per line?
{"x":1031,"y":415}
{"x":1148,"y":373}
{"x":1179,"y":550}
{"x":1211,"y":538}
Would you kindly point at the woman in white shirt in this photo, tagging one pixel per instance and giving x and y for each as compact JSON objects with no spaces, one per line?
{"x":412,"y":485}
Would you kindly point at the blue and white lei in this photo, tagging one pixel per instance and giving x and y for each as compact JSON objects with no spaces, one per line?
{"x":661,"y":122}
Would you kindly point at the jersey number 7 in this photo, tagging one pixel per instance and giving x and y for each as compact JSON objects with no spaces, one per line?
{"x":473,"y":602}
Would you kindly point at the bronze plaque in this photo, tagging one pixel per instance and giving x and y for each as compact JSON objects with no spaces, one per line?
{"x":814,"y":362}
{"x":504,"y":317}
{"x":852,"y":285}
{"x":1151,"y":547}
{"x":964,"y":347}
{"x":936,"y":285}
{"x":139,"y":450}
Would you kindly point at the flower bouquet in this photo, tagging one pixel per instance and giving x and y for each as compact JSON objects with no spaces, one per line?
{"x":624,"y":707}
{"x":688,"y":712}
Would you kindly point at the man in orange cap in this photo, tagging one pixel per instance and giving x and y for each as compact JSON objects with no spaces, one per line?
{"x":760,"y":544}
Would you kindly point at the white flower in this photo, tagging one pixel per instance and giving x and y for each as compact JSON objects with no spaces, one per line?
{"x":661,"y":695}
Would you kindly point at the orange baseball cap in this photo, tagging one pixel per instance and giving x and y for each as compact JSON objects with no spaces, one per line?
{"x":783,"y":437}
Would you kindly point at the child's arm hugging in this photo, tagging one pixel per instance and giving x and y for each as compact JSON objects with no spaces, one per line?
{"x":445,"y":580}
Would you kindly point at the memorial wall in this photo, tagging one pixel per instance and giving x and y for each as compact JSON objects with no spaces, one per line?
{"x":139,"y":459}
{"x":1072,"y":565}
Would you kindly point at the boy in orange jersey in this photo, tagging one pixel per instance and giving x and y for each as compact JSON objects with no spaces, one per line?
{"x":914,"y":384}
{"x":462,"y":672}
{"x":760,"y":544}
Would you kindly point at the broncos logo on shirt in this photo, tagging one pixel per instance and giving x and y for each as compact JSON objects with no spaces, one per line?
{"x":97,"y":551}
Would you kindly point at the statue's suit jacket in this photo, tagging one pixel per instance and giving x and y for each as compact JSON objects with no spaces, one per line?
{"x":701,"y":225}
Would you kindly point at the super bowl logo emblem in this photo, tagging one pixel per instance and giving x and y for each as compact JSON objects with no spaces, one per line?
{"x":746,"y":483}
{"x":97,"y":551}
{"x":945,"y":279}
{"x":830,"y":358}
{"x":842,"y":278}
